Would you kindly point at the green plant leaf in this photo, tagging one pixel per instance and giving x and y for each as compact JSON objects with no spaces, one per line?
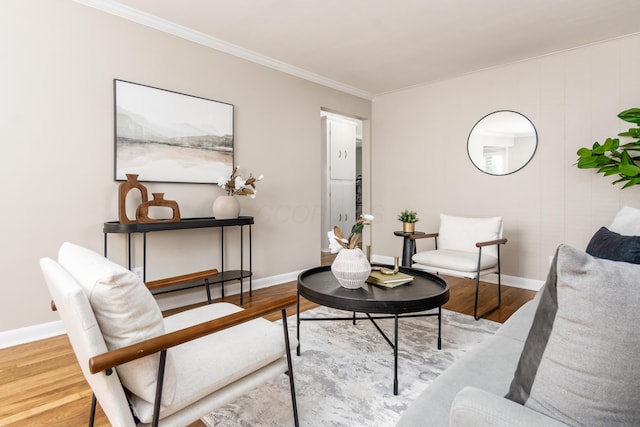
{"x":609,"y":144}
{"x":600,"y":149}
{"x":609,"y":172}
{"x":635,"y":146}
{"x":634,"y":181}
{"x":584,"y":152}
{"x":625,"y":158}
{"x":631,"y":115}
{"x":632,"y":132}
{"x":587,"y":162}
{"x":629,"y":170}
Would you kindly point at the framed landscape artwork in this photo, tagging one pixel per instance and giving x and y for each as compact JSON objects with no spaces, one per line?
{"x":165,"y":136}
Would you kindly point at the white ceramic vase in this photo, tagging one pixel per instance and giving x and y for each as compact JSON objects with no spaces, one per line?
{"x":351,"y":268}
{"x":226,"y":207}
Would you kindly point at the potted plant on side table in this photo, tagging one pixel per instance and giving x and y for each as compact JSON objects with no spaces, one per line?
{"x":409,"y":219}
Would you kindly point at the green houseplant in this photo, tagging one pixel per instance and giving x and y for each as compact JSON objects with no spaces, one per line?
{"x":408,"y":218}
{"x":611,"y":158}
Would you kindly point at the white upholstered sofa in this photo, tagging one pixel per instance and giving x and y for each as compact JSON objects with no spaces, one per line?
{"x":572,"y":364}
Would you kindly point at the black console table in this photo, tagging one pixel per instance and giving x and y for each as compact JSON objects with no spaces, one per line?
{"x":205,"y":278}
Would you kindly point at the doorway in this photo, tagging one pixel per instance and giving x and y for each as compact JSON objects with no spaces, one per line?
{"x":343,"y":186}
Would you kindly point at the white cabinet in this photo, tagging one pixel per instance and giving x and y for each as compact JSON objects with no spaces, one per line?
{"x":341,"y":136}
{"x":343,"y":206}
{"x":338,"y":176}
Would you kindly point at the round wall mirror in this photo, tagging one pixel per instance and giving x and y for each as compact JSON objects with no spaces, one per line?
{"x":502,"y":142}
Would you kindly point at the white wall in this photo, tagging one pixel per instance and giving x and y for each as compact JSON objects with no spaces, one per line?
{"x":419,"y":158}
{"x":59,"y":59}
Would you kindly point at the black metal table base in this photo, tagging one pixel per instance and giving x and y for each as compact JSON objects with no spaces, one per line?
{"x":393,"y":344}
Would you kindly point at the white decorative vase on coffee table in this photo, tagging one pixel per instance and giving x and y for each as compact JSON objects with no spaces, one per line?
{"x":226,"y":207}
{"x":351,"y":268}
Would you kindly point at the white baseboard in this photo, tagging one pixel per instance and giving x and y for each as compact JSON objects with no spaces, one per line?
{"x":179,"y":299}
{"x":513,"y":281}
{"x":31,"y":333}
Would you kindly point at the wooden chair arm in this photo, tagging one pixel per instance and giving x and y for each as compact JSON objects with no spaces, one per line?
{"x":492,"y":242}
{"x":144,"y":348}
{"x":422,"y":236}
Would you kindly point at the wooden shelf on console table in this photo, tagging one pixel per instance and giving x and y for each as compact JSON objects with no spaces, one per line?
{"x":191,"y":280}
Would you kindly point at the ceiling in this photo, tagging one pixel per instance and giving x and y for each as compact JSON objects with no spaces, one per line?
{"x":370,"y":47}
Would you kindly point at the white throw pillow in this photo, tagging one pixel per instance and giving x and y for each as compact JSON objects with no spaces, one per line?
{"x":626,"y":222}
{"x":126,"y":312}
{"x":461,"y":234}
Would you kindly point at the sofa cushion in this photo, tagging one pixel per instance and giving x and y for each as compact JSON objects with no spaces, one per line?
{"x":126,"y":313}
{"x":462,"y":234}
{"x":590,"y":373}
{"x":611,"y":245}
{"x":537,"y":338}
{"x":626,"y":222}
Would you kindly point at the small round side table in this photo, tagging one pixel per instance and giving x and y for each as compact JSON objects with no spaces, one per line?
{"x":408,"y":247}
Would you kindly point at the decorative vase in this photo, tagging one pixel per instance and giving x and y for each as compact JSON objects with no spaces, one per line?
{"x":408,"y":227}
{"x":351,"y":268}
{"x":226,"y":207}
{"x":123,"y":189}
{"x":142,"y":213}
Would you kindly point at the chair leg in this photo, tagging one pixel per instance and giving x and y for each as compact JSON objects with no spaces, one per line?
{"x":290,"y":368}
{"x":475,"y":306}
{"x":158,"y":399}
{"x":92,"y":414}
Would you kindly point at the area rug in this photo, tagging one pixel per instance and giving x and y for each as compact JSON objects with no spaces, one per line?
{"x":344,"y":375}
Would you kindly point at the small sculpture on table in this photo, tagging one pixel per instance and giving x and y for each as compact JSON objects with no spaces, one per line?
{"x":123,"y":190}
{"x":142,"y":213}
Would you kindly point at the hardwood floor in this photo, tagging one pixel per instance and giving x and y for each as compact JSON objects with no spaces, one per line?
{"x":41,"y":382}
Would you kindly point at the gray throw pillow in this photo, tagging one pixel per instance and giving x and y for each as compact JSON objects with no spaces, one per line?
{"x":611,"y":245}
{"x":590,"y":370}
{"x":536,"y":341}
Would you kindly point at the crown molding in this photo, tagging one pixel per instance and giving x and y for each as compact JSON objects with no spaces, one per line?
{"x":169,"y":27}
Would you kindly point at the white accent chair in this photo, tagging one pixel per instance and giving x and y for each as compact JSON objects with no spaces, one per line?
{"x":170,"y":371}
{"x":464,"y":247}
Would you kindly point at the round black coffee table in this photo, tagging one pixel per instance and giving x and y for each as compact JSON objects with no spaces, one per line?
{"x":425,"y":292}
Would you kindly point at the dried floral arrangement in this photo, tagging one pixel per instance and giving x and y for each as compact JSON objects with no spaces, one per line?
{"x":337,"y":241}
{"x":235,"y":185}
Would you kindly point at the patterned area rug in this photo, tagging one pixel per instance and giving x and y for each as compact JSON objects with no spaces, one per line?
{"x":344,"y":375}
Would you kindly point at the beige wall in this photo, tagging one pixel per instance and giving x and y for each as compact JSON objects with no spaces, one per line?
{"x":59,"y":59}
{"x":420,"y":160}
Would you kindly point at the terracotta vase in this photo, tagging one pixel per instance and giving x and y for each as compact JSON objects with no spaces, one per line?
{"x":351,"y":268}
{"x":226,"y":207}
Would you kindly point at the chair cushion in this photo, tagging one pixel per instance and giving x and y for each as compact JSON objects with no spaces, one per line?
{"x":590,"y":371}
{"x":615,"y":247}
{"x":626,"y":222}
{"x":126,"y":313}
{"x":455,"y":260}
{"x":462,"y":234}
{"x":214,"y":361}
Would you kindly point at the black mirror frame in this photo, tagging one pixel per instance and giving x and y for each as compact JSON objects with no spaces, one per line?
{"x":535,"y":148}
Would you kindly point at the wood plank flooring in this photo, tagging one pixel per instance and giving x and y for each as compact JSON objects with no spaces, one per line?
{"x":41,"y":383}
